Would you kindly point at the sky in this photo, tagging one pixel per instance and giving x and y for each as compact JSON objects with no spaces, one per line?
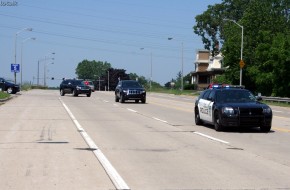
{"x":129,"y":34}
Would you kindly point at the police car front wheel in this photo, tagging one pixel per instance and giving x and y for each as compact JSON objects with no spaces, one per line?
{"x":217,"y":122}
{"x":197,"y":118}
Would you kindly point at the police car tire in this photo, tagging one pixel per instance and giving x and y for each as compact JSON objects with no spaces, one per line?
{"x":217,"y":125}
{"x":197,"y":118}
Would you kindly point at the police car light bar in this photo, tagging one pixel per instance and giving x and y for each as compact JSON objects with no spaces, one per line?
{"x":227,"y":86}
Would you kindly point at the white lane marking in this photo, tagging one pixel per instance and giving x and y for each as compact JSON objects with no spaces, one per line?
{"x":116,"y":105}
{"x":106,"y":101}
{"x":212,"y":138}
{"x":132,"y":110}
{"x":277,"y":111}
{"x":159,"y":119}
{"x":117,"y":180}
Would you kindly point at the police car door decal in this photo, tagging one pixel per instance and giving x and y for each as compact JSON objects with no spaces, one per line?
{"x":203,"y":108}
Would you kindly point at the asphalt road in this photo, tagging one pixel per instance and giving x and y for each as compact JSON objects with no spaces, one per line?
{"x":49,"y":141}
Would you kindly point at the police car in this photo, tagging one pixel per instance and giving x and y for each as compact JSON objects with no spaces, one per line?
{"x":232,"y":106}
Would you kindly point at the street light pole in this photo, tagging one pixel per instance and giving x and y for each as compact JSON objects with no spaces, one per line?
{"x":151,"y":69}
{"x":21,"y":65}
{"x":15,"y":51}
{"x":242,"y":46}
{"x":182,"y":49}
{"x":44,"y":68}
{"x":108,"y":80}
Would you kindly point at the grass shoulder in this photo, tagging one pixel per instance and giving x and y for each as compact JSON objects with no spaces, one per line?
{"x":175,"y":91}
{"x":4,"y":95}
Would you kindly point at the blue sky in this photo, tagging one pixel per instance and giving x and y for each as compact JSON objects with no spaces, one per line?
{"x":122,"y":32}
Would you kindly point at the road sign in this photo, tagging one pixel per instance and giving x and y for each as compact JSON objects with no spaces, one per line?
{"x":242,"y":64}
{"x":15,"y":68}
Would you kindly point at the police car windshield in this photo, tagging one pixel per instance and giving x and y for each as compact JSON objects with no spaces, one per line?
{"x":235,"y":96}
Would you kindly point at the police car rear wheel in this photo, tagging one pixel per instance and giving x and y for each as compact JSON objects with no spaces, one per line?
{"x":217,"y":124}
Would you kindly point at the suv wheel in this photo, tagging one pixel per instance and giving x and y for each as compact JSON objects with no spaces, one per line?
{"x":122,"y":100}
{"x":61,"y":92}
{"x":10,"y":90}
{"x":116,"y":98}
{"x":265,"y":129}
{"x":143,"y":101}
{"x":75,"y":93}
{"x":89,"y":94}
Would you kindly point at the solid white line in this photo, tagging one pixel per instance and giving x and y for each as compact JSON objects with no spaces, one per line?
{"x":212,"y":138}
{"x":277,"y":111}
{"x":111,"y":171}
{"x":159,"y":119}
{"x":132,"y":110}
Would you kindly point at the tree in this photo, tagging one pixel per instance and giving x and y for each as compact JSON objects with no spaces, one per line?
{"x":91,"y":69}
{"x":266,"y":34}
{"x":112,"y":78}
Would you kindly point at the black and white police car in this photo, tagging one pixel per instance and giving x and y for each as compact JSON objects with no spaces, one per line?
{"x":227,"y":106}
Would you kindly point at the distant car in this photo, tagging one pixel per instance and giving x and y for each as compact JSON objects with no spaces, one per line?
{"x":130,"y":90}
{"x":74,"y":87}
{"x":90,"y":84}
{"x":9,"y":86}
{"x":233,"y":107}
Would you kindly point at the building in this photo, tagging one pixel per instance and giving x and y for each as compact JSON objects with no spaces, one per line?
{"x":206,"y":68}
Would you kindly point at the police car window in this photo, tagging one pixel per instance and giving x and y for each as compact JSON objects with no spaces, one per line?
{"x":206,"y":94}
{"x":211,"y":95}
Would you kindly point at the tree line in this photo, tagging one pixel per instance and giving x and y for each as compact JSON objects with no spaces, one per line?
{"x":105,"y":77}
{"x":266,"y":37}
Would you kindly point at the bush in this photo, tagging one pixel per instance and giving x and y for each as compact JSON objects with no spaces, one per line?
{"x":190,"y":87}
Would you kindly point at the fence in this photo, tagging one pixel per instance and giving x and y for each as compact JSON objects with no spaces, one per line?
{"x":276,"y":99}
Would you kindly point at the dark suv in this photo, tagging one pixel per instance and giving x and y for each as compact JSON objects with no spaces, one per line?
{"x":9,"y":86}
{"x":130,"y":90}
{"x":74,"y":87}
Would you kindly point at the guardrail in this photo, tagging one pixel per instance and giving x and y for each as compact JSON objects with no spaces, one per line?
{"x":276,"y":99}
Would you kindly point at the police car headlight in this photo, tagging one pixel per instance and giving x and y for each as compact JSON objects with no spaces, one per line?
{"x":228,"y":111}
{"x":267,"y":110}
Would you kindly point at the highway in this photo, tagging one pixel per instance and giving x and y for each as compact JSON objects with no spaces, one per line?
{"x":48,"y":141}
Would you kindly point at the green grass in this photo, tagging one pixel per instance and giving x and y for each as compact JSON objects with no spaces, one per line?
{"x":175,"y":91}
{"x":4,"y":95}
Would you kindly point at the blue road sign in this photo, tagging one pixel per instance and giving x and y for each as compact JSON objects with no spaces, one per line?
{"x":15,"y":68}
